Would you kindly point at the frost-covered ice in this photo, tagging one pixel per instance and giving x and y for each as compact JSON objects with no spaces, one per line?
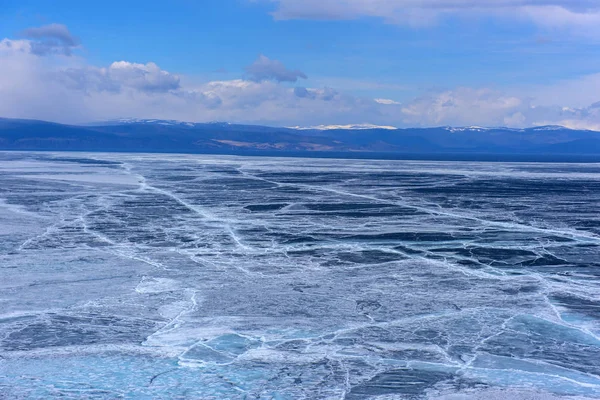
{"x":200,"y":277}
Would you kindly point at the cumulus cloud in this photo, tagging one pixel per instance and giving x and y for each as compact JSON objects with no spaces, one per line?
{"x":577,"y":93}
{"x":145,"y":77}
{"x":67,"y":89}
{"x":50,"y":39}
{"x":463,"y":106}
{"x":73,"y":92}
{"x":28,"y":90}
{"x":118,"y":76}
{"x":574,"y":118}
{"x":14,"y":46}
{"x":486,"y":107}
{"x":555,"y":13}
{"x":266,"y":69}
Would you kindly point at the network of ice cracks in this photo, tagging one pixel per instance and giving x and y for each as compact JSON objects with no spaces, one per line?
{"x":211,"y":277}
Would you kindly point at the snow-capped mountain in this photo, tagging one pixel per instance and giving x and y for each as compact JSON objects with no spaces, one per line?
{"x":163,"y":122}
{"x":155,"y":135}
{"x":348,"y":127}
{"x":541,"y":128}
{"x":549,"y":128}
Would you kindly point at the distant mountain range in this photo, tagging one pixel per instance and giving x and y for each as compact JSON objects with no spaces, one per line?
{"x":139,"y":135}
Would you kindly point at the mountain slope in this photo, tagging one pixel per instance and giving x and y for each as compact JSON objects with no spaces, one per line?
{"x":174,"y":136}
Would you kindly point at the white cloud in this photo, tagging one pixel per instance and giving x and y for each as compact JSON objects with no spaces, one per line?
{"x":39,"y":87}
{"x":8,"y":46}
{"x":468,"y":106}
{"x":117,"y":77}
{"x":463,"y":106}
{"x":585,"y":20}
{"x":27,"y":89}
{"x":266,"y":69}
{"x":67,"y":89}
{"x":145,"y":77}
{"x":577,"y":93}
{"x":552,"y":13}
{"x":51,"y":39}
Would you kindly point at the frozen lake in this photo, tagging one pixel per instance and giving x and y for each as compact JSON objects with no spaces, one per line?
{"x":210,"y":277}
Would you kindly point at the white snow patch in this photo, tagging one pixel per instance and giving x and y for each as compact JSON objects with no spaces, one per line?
{"x":350,"y":127}
{"x":156,"y":285}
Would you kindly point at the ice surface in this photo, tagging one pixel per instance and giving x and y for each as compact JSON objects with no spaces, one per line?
{"x":205,"y":277}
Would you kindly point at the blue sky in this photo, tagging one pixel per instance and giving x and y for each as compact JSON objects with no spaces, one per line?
{"x":310,"y":62}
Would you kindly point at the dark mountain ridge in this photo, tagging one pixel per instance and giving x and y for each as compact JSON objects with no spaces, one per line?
{"x":182,"y":137}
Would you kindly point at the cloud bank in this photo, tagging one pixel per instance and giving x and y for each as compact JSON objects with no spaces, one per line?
{"x":581,"y":15}
{"x":120,"y":75}
{"x":57,"y":84}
